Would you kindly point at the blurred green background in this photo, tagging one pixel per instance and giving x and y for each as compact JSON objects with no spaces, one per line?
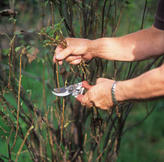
{"x":141,"y":143}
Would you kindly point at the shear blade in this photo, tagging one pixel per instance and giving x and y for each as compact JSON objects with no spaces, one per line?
{"x":61,"y":92}
{"x":74,"y":89}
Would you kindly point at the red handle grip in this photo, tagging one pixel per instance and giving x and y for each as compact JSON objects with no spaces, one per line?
{"x":86,"y":85}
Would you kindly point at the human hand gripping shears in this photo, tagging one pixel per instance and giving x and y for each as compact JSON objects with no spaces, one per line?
{"x":75,"y":90}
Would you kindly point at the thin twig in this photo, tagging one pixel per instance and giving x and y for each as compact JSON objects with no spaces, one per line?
{"x":143,"y":16}
{"x":103,"y":17}
{"x":19,"y":90}
{"x":139,"y":122}
{"x":27,"y":134}
{"x":62,"y":120}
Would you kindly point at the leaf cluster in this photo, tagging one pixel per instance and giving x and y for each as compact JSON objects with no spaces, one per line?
{"x":52,"y":35}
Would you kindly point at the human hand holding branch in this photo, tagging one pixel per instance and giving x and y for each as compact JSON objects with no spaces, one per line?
{"x":132,"y":47}
{"x":76,"y":51}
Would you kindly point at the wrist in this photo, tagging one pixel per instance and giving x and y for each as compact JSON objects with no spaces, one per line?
{"x":95,"y":47}
{"x":124,"y":91}
{"x":120,"y":92}
{"x":117,"y":93}
{"x":113,"y":89}
{"x":105,"y":48}
{"x":92,"y":48}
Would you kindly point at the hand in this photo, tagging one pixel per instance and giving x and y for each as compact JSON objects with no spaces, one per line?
{"x":98,"y":95}
{"x":76,"y":51}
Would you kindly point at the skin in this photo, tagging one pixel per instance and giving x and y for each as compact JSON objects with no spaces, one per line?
{"x":132,"y":47}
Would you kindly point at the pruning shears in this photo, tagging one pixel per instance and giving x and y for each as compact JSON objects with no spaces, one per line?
{"x":74,"y":89}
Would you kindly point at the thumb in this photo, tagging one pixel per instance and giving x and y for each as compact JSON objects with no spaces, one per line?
{"x":85,"y":101}
{"x":86,"y":85}
{"x":63,"y":54}
{"x":79,"y":97}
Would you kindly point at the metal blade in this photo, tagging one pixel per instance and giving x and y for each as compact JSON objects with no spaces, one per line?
{"x":74,"y":89}
{"x":61,"y":91}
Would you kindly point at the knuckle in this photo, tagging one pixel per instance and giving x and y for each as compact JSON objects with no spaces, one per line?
{"x":69,"y":59}
{"x":88,"y":94}
{"x":88,"y":105}
{"x":84,"y":100}
{"x":99,"y":80}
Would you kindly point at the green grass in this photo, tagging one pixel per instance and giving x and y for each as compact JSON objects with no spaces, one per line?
{"x":144,"y":143}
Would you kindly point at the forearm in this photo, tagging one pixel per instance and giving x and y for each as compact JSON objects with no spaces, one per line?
{"x":136,"y":46}
{"x":148,"y":85}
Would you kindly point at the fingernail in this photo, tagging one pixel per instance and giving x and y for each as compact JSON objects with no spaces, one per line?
{"x":54,"y":59}
{"x":60,"y":62}
{"x":59,"y":56}
{"x":76,"y":61}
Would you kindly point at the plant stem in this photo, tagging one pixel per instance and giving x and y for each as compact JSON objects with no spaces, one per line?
{"x":19,"y":90}
{"x":62,"y":121}
{"x":27,"y":134}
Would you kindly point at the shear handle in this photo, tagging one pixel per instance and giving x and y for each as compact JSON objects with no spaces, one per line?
{"x":86,"y":85}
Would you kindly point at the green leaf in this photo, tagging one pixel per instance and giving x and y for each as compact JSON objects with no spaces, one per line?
{"x":48,"y":29}
{"x":51,"y":33}
{"x":12,"y":20}
{"x":57,"y":37}
{"x":17,"y":33}
{"x":46,"y":3}
{"x":18,"y":48}
{"x":5,"y":52}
